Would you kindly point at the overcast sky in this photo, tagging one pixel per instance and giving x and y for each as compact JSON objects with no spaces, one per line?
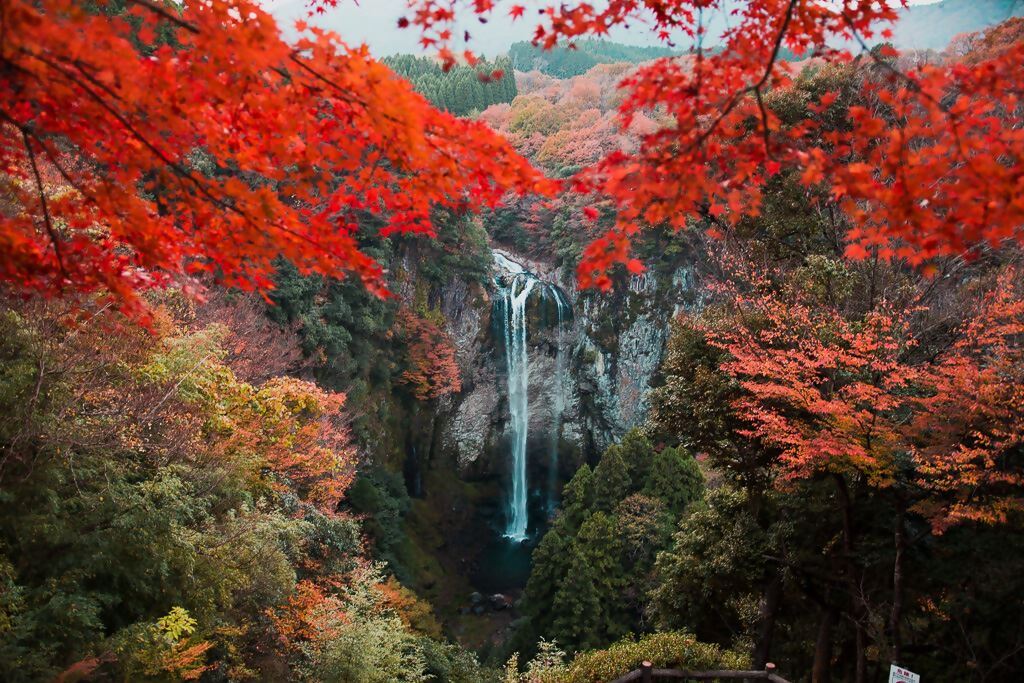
{"x":374,"y":22}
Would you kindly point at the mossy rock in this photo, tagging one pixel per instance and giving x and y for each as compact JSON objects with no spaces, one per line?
{"x":669,"y":650}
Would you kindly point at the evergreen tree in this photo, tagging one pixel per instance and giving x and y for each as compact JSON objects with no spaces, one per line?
{"x":587,"y":607}
{"x":591,"y":571}
{"x":674,"y":478}
{"x":611,"y":479}
{"x":578,"y":498}
{"x":551,"y":562}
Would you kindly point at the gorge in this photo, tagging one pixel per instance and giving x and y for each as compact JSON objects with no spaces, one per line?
{"x":551,"y":377}
{"x":324,"y":365}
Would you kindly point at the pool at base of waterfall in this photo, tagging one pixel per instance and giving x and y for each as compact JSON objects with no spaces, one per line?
{"x":503,"y":566}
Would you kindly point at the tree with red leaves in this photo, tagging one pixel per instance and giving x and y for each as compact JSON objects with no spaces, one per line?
{"x":232,"y":147}
{"x":936,"y":169}
{"x":845,"y":394}
{"x":143,"y":143}
{"x":836,"y":393}
{"x":431,"y":368}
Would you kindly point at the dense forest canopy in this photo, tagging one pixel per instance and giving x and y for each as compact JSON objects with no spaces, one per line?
{"x":579,"y":57}
{"x":242,"y":275}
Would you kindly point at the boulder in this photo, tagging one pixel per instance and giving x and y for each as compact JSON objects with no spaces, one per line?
{"x":499,"y":601}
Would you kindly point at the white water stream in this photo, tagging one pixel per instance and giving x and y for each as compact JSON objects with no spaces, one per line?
{"x":514,"y":288}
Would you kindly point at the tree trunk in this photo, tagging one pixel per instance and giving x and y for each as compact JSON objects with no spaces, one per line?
{"x":852,"y":576}
{"x":896,"y":616}
{"x":769,"y":608}
{"x":862,"y":660}
{"x":822,"y":671}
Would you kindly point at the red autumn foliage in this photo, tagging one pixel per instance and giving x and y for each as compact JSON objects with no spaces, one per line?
{"x":257,"y":348}
{"x":842,"y":394}
{"x":969,"y":430}
{"x":432,"y":370}
{"x":934,"y":170}
{"x":215,"y":152}
{"x":246,"y":147}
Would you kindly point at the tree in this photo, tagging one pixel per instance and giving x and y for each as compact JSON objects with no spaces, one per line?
{"x":674,"y":478}
{"x":840,"y":393}
{"x":586,"y":609}
{"x":932,"y":169}
{"x":431,"y":368}
{"x":223,"y":147}
{"x":591,"y":571}
{"x":709,"y":579}
{"x":851,"y":391}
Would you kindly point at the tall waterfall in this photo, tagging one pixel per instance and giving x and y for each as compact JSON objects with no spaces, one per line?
{"x":514,"y":297}
{"x":563,"y":311}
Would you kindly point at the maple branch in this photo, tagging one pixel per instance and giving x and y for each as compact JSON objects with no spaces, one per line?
{"x":911,"y":83}
{"x":764,"y":123}
{"x":48,"y":221}
{"x":163,"y":12}
{"x":180,"y":171}
{"x":916,"y":88}
{"x":737,"y":97}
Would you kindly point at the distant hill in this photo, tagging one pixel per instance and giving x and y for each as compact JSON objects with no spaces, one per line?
{"x":932,"y":26}
{"x":920,"y":27}
{"x":563,"y":62}
{"x":374,"y":23}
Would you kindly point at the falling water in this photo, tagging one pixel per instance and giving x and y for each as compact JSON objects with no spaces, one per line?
{"x":516,"y":363}
{"x":563,"y":311}
{"x":514,"y":289}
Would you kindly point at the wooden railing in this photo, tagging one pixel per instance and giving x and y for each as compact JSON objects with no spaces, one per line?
{"x":648,"y":674}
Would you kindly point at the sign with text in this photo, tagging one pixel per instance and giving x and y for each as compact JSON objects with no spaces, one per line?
{"x":900,"y":675}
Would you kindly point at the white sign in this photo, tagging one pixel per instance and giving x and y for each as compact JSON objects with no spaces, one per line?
{"x":900,"y":675}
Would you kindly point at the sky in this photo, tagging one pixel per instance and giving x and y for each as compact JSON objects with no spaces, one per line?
{"x":374,"y":22}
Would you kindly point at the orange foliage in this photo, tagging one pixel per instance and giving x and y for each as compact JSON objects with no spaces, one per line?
{"x":825,"y":391}
{"x":843,"y":394}
{"x":968,"y":431}
{"x":309,"y":613}
{"x":186,"y":662}
{"x":306,"y":439}
{"x":935,"y":169}
{"x":215,"y":153}
{"x":432,"y":370}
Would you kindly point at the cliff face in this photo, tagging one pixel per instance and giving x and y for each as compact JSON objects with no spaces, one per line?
{"x":588,"y":376}
{"x":588,"y":358}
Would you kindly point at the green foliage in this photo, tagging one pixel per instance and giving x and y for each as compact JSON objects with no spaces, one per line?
{"x":453,"y":664}
{"x":711,"y":574}
{"x":674,"y":478}
{"x":566,"y":62}
{"x":673,"y":649}
{"x":460,"y":250}
{"x":586,"y":588}
{"x":342,"y":326}
{"x":381,"y":497}
{"x":375,"y":650}
{"x":147,"y":530}
{"x":462,"y":90}
{"x":693,"y":406}
{"x":161,"y":651}
{"x":586,"y":610}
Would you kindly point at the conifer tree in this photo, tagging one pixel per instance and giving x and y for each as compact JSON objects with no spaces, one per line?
{"x":586,"y":607}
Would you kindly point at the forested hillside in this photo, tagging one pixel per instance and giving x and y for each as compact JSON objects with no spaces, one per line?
{"x":460,"y":90}
{"x":580,"y":57}
{"x":818,"y":394}
{"x":319,"y":367}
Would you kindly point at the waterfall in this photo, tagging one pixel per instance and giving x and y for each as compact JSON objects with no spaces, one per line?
{"x":515,"y":285}
{"x":562,"y":308}
{"x":516,"y":363}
